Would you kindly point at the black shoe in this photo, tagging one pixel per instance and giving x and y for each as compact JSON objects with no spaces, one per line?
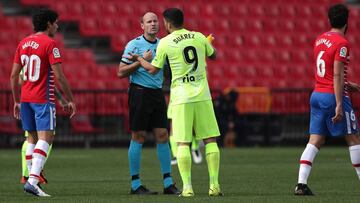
{"x":142,"y":190}
{"x":172,"y":190}
{"x":302,"y":189}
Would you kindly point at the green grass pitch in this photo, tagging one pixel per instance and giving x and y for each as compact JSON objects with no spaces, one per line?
{"x":246,"y":175}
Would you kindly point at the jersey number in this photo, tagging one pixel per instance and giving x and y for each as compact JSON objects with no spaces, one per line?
{"x":31,"y":67}
{"x":320,"y":64}
{"x":191,"y":57}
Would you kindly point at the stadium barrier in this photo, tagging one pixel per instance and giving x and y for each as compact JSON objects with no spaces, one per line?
{"x":246,"y":116}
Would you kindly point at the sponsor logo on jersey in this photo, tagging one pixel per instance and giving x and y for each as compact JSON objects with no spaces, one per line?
{"x":56,"y":53}
{"x":188,"y":78}
{"x":343,"y":51}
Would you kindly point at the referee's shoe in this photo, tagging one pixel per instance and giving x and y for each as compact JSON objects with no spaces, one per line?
{"x":172,"y":190}
{"x":142,"y":190}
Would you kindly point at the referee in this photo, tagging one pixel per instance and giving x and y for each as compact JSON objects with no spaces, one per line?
{"x":147,"y":107}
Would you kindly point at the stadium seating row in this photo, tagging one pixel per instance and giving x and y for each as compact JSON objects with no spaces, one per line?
{"x":259,"y":44}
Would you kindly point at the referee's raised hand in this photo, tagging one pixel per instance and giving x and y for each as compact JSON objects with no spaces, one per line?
{"x":132,"y":57}
{"x":147,"y":55}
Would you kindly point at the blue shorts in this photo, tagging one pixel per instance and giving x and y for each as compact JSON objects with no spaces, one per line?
{"x":38,"y":117}
{"x":323,"y":109}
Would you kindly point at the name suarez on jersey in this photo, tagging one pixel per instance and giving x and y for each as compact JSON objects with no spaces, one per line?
{"x":184,"y":36}
{"x":324,"y":41}
{"x":31,"y":44}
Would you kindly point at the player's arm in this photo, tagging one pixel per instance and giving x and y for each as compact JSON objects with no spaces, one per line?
{"x":213,"y":55}
{"x":159,"y":60}
{"x":15,"y":88}
{"x":60,"y":98}
{"x":353,"y":87}
{"x":126,"y":69}
{"x":64,"y":84}
{"x":210,"y":50}
{"x":338,"y":89}
{"x":157,"y":63}
{"x":147,"y":65}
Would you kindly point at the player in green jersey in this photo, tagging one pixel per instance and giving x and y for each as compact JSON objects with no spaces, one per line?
{"x":192,"y":109}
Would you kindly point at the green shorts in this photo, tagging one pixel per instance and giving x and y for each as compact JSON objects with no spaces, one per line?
{"x":197,"y":116}
{"x":169,"y":110}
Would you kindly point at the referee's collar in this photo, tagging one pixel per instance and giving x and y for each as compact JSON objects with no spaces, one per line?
{"x":151,"y":42}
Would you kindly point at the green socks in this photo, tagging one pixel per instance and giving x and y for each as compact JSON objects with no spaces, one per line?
{"x":194,"y":144}
{"x":173,"y":145}
{"x":24,"y":170}
{"x":213,"y":161}
{"x":184,"y":164}
{"x":48,"y":154}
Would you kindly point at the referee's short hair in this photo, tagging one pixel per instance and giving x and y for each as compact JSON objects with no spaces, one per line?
{"x":174,"y":16}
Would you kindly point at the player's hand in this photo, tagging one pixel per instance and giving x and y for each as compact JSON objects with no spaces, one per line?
{"x":132,"y":57}
{"x":354,"y":87}
{"x":71,"y":107}
{"x":210,"y":38}
{"x":17,"y":110}
{"x":338,"y":114}
{"x":64,"y":105}
{"x":147,"y":55}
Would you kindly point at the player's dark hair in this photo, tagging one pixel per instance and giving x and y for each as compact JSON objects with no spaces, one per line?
{"x":174,"y":16}
{"x":41,"y":17}
{"x":338,"y":15}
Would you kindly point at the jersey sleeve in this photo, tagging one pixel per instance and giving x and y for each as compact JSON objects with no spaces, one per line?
{"x":160,"y":58}
{"x":342,"y":52}
{"x":17,"y":58}
{"x":208,"y":47}
{"x":130,"y":48}
{"x":53,"y":53}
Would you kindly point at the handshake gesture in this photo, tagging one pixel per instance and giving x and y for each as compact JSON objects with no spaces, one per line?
{"x":147,"y":55}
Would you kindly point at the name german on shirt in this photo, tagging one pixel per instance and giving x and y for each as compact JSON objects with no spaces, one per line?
{"x":324,"y":41}
{"x":31,"y":44}
{"x":184,"y":36}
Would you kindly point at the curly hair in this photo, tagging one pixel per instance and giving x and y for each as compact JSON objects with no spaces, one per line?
{"x":42,"y":17}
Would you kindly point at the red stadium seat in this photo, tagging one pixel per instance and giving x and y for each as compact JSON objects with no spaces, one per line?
{"x":258,"y":43}
{"x":110,"y":104}
{"x":81,"y":124}
{"x":90,"y":27}
{"x":34,"y":2}
{"x":91,"y":9}
{"x":9,"y":125}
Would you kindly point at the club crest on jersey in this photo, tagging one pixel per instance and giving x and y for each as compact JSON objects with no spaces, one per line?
{"x":56,"y":53}
{"x":343,"y":51}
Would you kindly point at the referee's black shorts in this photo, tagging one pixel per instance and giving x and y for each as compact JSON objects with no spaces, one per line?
{"x":147,"y":108}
